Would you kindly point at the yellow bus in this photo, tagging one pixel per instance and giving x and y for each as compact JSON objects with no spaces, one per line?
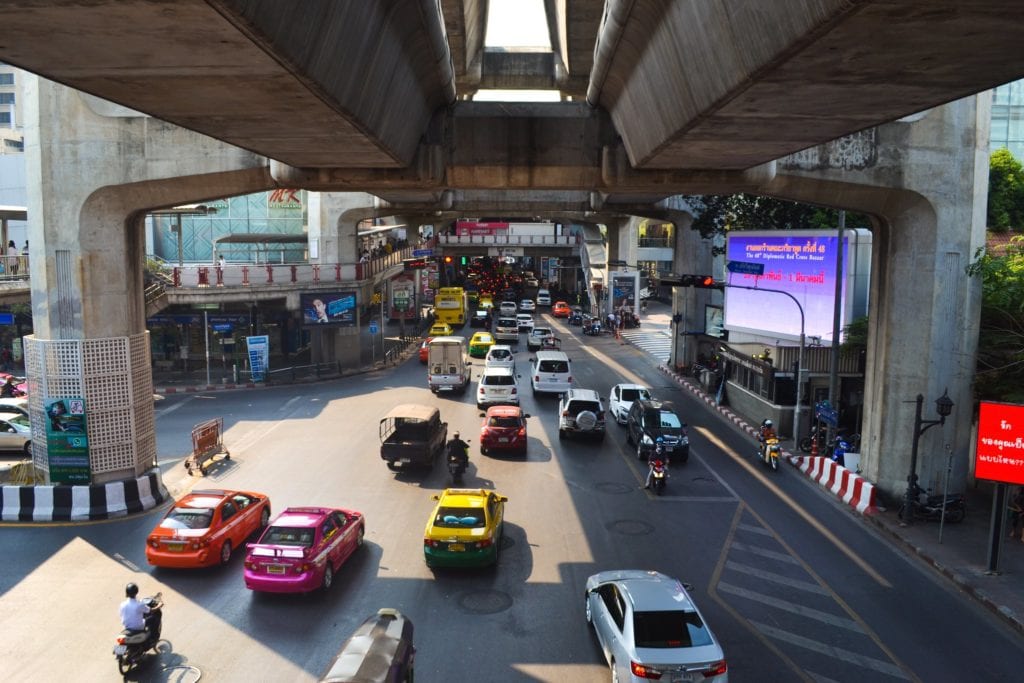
{"x":451,"y":306}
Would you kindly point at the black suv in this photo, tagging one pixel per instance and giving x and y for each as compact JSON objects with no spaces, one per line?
{"x":650,"y":420}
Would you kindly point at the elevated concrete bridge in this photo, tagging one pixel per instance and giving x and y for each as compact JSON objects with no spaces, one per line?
{"x":799,"y":99}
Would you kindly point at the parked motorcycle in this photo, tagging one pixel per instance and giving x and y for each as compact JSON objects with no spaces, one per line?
{"x":930,"y":507}
{"x":457,"y":466}
{"x":770,"y":452}
{"x":133,"y":645}
{"x":819,"y":433}
{"x":659,"y":475}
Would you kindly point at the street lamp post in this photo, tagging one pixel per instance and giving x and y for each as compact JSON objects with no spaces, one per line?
{"x":943,"y":406}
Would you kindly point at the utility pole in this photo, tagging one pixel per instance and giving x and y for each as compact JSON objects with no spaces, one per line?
{"x":833,"y":375}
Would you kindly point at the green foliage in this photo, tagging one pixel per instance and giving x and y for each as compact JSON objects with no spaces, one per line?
{"x":718,"y":214}
{"x":1000,"y":370}
{"x":855,"y":337}
{"x":1005,"y":192}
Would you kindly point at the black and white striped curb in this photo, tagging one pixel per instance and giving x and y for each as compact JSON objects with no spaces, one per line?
{"x":64,"y":503}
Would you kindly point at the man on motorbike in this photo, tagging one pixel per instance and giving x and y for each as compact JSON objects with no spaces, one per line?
{"x":767,"y":431}
{"x":656,"y":453}
{"x":135,"y":614}
{"x":458,"y":449}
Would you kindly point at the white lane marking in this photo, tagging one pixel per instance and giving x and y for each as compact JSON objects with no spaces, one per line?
{"x":787,"y":606}
{"x":777,"y":578}
{"x":171,"y":409}
{"x":831,"y":651}
{"x":770,"y":554}
{"x":754,"y":529}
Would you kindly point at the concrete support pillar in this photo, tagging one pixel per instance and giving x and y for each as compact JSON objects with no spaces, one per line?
{"x":691,"y":254}
{"x":334,"y":221}
{"x":93,"y":169}
{"x":925,"y":179}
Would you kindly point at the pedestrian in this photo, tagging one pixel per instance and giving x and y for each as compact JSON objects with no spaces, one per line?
{"x":1017,"y":514}
{"x":220,"y":261}
{"x":5,"y":359}
{"x":23,"y":261}
{"x":12,"y":257}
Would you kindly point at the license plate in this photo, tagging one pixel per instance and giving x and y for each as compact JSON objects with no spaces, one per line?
{"x":502,"y":440}
{"x":681,"y":678}
{"x":404,"y":460}
{"x":120,"y":649}
{"x":175,"y":547}
{"x":456,"y":547}
{"x":275,"y":569}
{"x":669,"y":449}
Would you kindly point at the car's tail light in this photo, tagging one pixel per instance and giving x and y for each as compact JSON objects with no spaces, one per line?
{"x":522,"y":432}
{"x":250,"y":565}
{"x":565,"y":413}
{"x":570,"y":379}
{"x":302,"y":568}
{"x":641,"y":671}
{"x":120,"y":640}
{"x":431,"y":543}
{"x":514,"y":391}
{"x":536,"y":378}
{"x":202,"y":543}
{"x":484,"y":543}
{"x":480,"y":390}
{"x":154,"y":542}
{"x":716,"y":669}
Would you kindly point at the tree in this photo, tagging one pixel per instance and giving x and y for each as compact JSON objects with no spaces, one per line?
{"x":1005,"y":192}
{"x":717,"y":214}
{"x":1000,"y":369}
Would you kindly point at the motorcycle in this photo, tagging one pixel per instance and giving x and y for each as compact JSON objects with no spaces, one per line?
{"x":770,"y":452}
{"x":593,"y":328}
{"x":457,"y":466}
{"x":931,"y":508}
{"x":133,"y":645}
{"x":659,"y":473}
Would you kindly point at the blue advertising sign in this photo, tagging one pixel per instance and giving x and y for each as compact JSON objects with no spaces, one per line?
{"x":6,"y":318}
{"x":67,"y":444}
{"x":373,"y":328}
{"x":259,"y":356}
{"x":745,"y":267}
{"x":328,"y":308}
{"x":422,"y":252}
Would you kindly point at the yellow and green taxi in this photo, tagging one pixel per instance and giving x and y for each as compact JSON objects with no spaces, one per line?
{"x":464,"y":529}
{"x":440,"y":330}
{"x":480,"y":343}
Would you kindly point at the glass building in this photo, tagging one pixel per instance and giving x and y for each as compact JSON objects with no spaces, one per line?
{"x":1008,"y":118}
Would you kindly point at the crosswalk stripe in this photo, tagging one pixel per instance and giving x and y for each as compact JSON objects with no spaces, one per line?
{"x":776,"y":578}
{"x":787,"y":606}
{"x":770,"y":554}
{"x":831,"y":651}
{"x":657,"y":344}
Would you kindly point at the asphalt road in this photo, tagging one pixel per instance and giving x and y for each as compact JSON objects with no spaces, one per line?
{"x":793,"y":584}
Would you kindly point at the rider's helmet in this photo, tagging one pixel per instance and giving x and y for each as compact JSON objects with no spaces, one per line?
{"x":766,"y":423}
{"x":660,"y":439}
{"x":456,"y":435}
{"x":131,"y":590}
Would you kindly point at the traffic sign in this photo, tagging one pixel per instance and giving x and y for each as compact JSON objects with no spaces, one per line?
{"x":422,"y":252}
{"x":373,"y":327}
{"x":745,"y":267}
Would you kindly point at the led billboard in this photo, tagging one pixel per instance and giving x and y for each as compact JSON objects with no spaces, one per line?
{"x":1000,"y":452}
{"x":329,"y":308}
{"x":800,"y":263}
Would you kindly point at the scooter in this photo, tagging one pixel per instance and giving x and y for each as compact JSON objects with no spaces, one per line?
{"x":659,"y":474}
{"x":133,"y":645}
{"x":457,"y":466}
{"x":931,"y":508}
{"x":769,"y":453}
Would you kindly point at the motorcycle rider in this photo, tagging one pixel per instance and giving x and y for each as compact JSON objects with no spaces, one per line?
{"x":135,"y":614}
{"x":656,"y":453}
{"x":767,"y":431}
{"x":458,"y":450}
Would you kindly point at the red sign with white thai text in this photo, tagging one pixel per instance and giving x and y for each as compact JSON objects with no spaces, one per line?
{"x":1000,"y":452}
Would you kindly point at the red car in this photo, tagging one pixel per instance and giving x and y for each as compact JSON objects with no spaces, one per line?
{"x":204,"y":527}
{"x":424,"y":350}
{"x":302,"y":549}
{"x":561,"y":309}
{"x":504,"y":429}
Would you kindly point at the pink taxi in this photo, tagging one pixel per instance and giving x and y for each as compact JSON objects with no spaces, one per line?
{"x":302,"y":549}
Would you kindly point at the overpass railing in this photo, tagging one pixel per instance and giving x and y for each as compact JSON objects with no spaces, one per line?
{"x":233,"y":274}
{"x":14,"y":267}
{"x":509,"y":240}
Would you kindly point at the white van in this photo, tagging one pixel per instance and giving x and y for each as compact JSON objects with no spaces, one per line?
{"x":447,"y":366}
{"x":550,"y":372}
{"x":543,"y":297}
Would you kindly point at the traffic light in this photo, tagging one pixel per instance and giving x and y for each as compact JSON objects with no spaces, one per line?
{"x":695,"y":281}
{"x":463,"y":260}
{"x":448,"y":260}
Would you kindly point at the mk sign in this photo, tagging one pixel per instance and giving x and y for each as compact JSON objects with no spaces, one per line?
{"x":1000,"y":452}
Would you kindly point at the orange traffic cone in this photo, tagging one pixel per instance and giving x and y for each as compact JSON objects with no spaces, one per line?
{"x":814,"y":447}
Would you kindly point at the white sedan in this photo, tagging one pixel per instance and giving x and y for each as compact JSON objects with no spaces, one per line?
{"x":621,"y":397}
{"x":649,"y":628}
{"x":15,"y":433}
{"x":527,"y":305}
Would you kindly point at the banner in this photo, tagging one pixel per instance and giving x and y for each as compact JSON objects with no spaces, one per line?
{"x":999,"y":455}
{"x":67,"y":445}
{"x":259,"y":356}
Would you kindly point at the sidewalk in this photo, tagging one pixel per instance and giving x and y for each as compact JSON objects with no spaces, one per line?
{"x":962,"y":556}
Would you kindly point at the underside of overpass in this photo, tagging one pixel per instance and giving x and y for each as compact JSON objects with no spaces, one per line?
{"x":658,"y":98}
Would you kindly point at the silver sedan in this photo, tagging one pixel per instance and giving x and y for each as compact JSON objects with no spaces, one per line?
{"x":649,"y":627}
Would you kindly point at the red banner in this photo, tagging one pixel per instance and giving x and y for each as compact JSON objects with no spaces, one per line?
{"x":1000,"y":451}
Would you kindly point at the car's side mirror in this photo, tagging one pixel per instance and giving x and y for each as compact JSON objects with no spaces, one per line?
{"x":526,"y":415}
{"x":436,"y":496}
{"x":502,"y":499}
{"x":688,"y":586}
{"x":483,"y":414}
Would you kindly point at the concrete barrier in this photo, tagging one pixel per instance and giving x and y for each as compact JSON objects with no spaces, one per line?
{"x":63,"y":503}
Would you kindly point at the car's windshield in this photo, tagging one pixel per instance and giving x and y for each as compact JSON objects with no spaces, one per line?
{"x":670,"y":420}
{"x":286,"y":535}
{"x":188,"y":518}
{"x":459,"y":518}
{"x":669,"y":629}
{"x":635,"y":394}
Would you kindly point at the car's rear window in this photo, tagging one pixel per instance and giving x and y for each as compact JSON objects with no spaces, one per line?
{"x":286,"y":535}
{"x":501,"y":354}
{"x":554,"y":366}
{"x":669,"y":629}
{"x":499,"y":380}
{"x":507,"y":322}
{"x":507,"y":422}
{"x":634,"y":394}
{"x":188,"y":518}
{"x":579,"y":406}
{"x":459,"y":518}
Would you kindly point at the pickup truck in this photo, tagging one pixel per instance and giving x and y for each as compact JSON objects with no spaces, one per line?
{"x":412,"y":435}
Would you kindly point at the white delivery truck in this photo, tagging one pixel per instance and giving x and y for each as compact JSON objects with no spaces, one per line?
{"x":447,"y":364}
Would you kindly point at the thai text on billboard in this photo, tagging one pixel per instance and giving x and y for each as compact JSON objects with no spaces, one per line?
{"x":802,"y":265}
{"x":999,"y":455}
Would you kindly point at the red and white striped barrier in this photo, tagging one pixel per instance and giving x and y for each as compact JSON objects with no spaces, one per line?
{"x":849,"y":487}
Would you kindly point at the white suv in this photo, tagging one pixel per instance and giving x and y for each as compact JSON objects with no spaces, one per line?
{"x":550,"y":372}
{"x":500,"y":356}
{"x":497,"y":386}
{"x":525,"y":322}
{"x":581,"y":411}
{"x":507,"y":309}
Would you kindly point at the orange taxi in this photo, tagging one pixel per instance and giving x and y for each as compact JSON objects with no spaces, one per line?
{"x":425,"y":350}
{"x":560,"y":309}
{"x":205,"y":527}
